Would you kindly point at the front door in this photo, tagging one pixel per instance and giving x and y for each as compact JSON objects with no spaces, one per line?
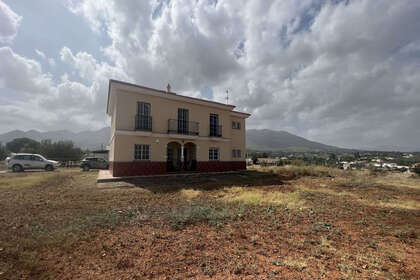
{"x":173,"y":158}
{"x":37,"y":162}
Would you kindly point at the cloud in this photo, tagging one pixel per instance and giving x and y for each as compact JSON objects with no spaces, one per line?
{"x":40,"y":53}
{"x":9,"y":23}
{"x":22,"y":74}
{"x":35,"y":100}
{"x":50,"y":60}
{"x":342,"y":72}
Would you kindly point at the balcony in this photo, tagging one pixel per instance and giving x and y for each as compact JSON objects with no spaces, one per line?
{"x":143,"y":123}
{"x":183,"y":127}
{"x":215,"y":131}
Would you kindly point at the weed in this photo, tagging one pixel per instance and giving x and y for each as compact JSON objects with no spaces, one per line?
{"x":258,"y":197}
{"x":124,"y":263}
{"x":200,"y":212}
{"x":405,"y":235}
{"x":297,"y":264}
{"x":293,"y":171}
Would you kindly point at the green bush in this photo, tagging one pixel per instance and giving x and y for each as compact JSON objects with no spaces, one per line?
{"x":416,"y":169}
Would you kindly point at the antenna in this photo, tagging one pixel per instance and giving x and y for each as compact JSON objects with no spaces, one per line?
{"x":227,"y":96}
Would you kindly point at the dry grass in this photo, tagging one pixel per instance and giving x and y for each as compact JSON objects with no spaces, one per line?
{"x":189,"y":193}
{"x":259,"y":197}
{"x":27,"y":179}
{"x":293,"y":222}
{"x":292,"y":171}
{"x":400,"y":180}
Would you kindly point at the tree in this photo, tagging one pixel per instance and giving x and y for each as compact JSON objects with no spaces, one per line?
{"x":416,"y":169}
{"x":3,"y":152}
{"x":254,"y":159}
{"x":61,"y":150}
{"x":22,"y":145}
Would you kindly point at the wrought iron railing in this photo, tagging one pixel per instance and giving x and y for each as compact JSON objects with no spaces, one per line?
{"x":143,"y":123}
{"x":183,"y":127}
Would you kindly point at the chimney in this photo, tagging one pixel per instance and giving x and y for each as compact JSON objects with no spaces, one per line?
{"x":168,"y":87}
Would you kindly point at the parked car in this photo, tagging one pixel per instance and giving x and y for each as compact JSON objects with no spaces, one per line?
{"x":20,"y":162}
{"x":93,"y":163}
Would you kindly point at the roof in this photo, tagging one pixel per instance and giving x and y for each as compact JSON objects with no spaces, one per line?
{"x":227,"y":106}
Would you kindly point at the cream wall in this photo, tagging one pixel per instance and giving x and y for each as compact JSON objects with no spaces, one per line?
{"x":164,"y":109}
{"x":123,"y":115}
{"x":124,"y":147}
{"x":111,"y":149}
{"x":238,"y":138}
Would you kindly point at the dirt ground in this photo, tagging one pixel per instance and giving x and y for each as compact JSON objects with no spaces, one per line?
{"x":276,"y":223}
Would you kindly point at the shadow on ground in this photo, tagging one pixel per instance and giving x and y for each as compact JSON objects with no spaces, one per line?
{"x":164,"y":184}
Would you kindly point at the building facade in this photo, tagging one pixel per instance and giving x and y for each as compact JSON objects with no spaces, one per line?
{"x":160,"y":132}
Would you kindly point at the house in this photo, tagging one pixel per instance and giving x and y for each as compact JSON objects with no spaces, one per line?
{"x":159,"y":132}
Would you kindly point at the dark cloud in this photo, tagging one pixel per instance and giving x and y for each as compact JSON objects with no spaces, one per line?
{"x":342,"y":72}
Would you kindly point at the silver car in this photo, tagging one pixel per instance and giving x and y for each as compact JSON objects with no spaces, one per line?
{"x":20,"y":162}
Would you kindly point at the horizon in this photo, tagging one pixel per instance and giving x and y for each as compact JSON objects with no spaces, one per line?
{"x":367,"y":149}
{"x":324,"y":70}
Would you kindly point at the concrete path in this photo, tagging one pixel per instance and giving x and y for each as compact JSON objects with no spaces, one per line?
{"x":106,"y":176}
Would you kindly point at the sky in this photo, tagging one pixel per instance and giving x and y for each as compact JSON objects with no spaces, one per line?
{"x":345,"y":73}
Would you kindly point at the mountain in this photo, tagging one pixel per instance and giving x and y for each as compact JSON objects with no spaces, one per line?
{"x":272,"y":140}
{"x":257,"y":139}
{"x":85,"y":139}
{"x":391,"y":148}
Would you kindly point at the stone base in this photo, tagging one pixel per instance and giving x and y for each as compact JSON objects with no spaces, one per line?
{"x":141,"y":168}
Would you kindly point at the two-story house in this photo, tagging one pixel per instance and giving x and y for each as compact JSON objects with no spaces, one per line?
{"x":158,"y":132}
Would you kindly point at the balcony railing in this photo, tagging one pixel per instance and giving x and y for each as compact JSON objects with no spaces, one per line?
{"x":183,"y":127}
{"x":215,"y":131}
{"x":143,"y":123}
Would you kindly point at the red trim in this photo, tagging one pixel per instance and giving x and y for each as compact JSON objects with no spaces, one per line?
{"x":140,"y":168}
{"x":137,"y":168}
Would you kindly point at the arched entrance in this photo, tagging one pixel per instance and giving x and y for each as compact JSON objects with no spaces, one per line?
{"x":190,"y":156}
{"x":173,"y":157}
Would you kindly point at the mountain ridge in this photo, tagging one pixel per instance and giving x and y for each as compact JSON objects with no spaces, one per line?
{"x":87,"y":139}
{"x":257,"y":139}
{"x":280,"y":140}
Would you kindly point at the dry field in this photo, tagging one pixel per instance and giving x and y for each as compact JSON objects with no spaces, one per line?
{"x":274,"y":223}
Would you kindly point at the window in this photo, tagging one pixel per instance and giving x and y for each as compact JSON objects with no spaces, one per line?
{"x":183,"y":120}
{"x":215,"y":129}
{"x":214,"y":154}
{"x":141,"y":152}
{"x":236,"y":125}
{"x":36,"y":158}
{"x":143,"y":109}
{"x":143,"y":118}
{"x":236,"y":153}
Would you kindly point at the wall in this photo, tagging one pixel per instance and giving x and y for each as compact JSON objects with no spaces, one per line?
{"x":164,"y":109}
{"x":124,"y":147}
{"x":239,"y":138}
